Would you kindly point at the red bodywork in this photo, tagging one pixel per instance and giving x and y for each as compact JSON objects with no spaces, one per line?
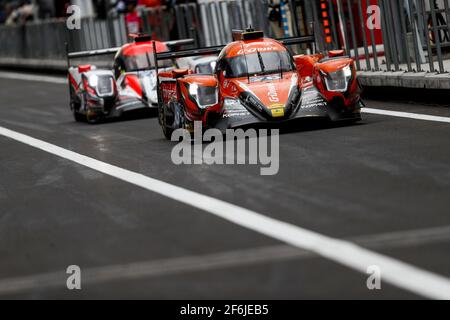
{"x":138,"y":48}
{"x":272,"y":93}
{"x":353,"y":92}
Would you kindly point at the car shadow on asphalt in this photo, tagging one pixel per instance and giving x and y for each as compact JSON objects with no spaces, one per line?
{"x":133,"y":115}
{"x":299,"y":125}
{"x":308,"y":124}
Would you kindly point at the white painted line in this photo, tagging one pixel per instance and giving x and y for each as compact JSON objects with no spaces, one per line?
{"x":417,"y":116}
{"x":407,"y":238}
{"x":32,"y":77}
{"x":395,"y":272}
{"x":155,"y":268}
{"x":215,"y":261}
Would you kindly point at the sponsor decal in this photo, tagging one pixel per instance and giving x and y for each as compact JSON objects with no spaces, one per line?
{"x":312,"y":99}
{"x":254,"y":50}
{"x":234,"y":114}
{"x":273,"y":94}
{"x":234,"y":109}
{"x":277,"y":113}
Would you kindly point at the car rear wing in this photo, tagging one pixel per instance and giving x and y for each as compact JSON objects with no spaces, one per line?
{"x":217,"y":49}
{"x":92,"y":53}
{"x":111,"y":51}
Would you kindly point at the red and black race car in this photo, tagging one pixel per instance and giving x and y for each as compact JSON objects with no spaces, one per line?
{"x":129,"y":85}
{"x":258,"y":81}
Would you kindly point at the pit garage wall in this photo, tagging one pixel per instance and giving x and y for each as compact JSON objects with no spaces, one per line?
{"x":42,"y":44}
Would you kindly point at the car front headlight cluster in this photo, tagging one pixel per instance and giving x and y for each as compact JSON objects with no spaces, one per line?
{"x":152,"y":80}
{"x":204,"y":96}
{"x":93,"y":81}
{"x":338,"y":81}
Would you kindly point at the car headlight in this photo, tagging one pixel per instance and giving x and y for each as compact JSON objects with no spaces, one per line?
{"x":338,"y":81}
{"x":149,"y":84}
{"x":93,"y":81}
{"x":153,"y":83}
{"x":204,"y":96}
{"x":152,"y":80}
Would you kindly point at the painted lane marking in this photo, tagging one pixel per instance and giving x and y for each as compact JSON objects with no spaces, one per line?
{"x":32,"y":77}
{"x":395,"y":272}
{"x":155,"y":268}
{"x":215,"y":261}
{"x":400,"y":114}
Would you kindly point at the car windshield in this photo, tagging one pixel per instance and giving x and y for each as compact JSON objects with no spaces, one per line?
{"x":205,"y":68}
{"x":144,"y":62}
{"x":259,"y":63}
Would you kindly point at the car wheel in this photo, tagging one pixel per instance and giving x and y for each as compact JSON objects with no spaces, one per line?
{"x":79,"y":117}
{"x":75,"y":107}
{"x":93,"y":119}
{"x":167,"y":131}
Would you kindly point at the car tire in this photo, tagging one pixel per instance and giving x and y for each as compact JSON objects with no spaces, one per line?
{"x":167,"y":131}
{"x":79,"y":117}
{"x":93,"y":119}
{"x":75,"y":107}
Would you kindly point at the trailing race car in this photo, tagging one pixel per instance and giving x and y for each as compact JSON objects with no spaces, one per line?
{"x":97,"y":94}
{"x":258,"y":81}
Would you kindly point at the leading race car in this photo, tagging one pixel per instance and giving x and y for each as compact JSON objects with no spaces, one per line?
{"x":96,"y":94}
{"x":258,"y":81}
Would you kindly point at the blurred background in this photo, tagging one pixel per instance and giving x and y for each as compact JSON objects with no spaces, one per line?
{"x":382,"y":35}
{"x":37,"y":28}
